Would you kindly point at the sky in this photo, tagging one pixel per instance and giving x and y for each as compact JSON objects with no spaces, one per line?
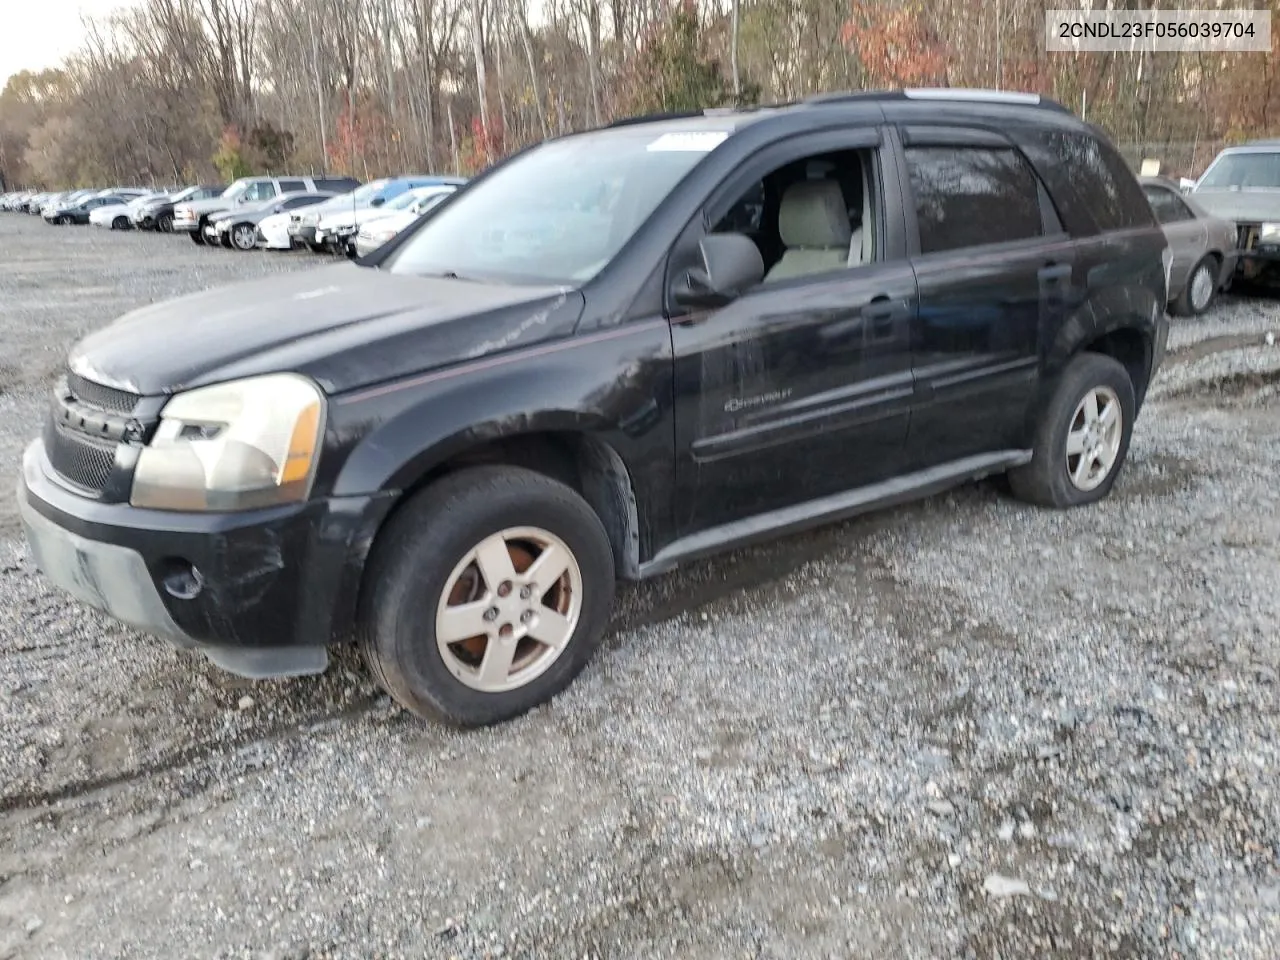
{"x":35,"y":34}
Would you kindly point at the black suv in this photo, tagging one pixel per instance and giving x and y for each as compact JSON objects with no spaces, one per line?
{"x":614,"y":352}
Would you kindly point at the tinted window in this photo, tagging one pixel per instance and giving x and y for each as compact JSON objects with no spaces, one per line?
{"x":337,"y":184}
{"x":303,"y":201}
{"x":292,"y":186}
{"x":1094,"y":189}
{"x":1168,"y":206}
{"x":968,"y":197}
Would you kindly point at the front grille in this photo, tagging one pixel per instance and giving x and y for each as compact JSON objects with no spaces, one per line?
{"x":84,"y":461}
{"x":95,"y":394}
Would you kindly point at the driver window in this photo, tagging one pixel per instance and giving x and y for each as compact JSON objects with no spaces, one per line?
{"x":809,"y":217}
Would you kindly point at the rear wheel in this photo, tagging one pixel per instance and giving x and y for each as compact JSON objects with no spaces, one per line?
{"x":164,"y":223}
{"x":1083,"y":436}
{"x":1201,"y":288}
{"x":487,"y":594}
{"x":317,"y":247}
{"x":197,"y":235}
{"x":244,"y":236}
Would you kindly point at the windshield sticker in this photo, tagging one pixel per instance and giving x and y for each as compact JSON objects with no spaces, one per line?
{"x":703,"y":141}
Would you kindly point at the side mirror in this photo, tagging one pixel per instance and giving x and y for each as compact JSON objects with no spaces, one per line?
{"x":1185,"y":184}
{"x":731,"y":264}
{"x":377,"y":201}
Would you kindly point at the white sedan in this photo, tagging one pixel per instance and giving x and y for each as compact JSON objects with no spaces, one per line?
{"x":273,"y":232}
{"x":374,"y":233}
{"x":113,"y":214}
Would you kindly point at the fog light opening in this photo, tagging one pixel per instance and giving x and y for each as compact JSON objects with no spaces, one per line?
{"x":181,"y":579}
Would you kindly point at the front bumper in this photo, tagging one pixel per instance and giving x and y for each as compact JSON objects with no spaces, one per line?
{"x":270,"y":588}
{"x":303,"y":232}
{"x":275,"y":239}
{"x":186,"y":224}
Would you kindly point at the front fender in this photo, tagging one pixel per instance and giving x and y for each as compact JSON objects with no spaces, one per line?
{"x":615,"y":386}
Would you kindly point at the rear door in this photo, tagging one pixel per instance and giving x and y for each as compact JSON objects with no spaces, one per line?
{"x":994,"y":267}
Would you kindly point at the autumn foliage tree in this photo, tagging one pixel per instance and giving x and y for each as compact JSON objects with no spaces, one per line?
{"x":896,"y":44}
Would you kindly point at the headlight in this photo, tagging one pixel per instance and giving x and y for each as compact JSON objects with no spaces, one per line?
{"x":233,"y":446}
{"x":1269,"y":232}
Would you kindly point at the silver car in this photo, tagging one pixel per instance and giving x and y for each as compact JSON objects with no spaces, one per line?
{"x":1203,"y":246}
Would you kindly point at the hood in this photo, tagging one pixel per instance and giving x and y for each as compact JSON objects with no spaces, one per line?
{"x":202,"y":207}
{"x":338,"y":204}
{"x":395,"y":220}
{"x":344,"y":218}
{"x":345,"y":325}
{"x":1245,"y":206}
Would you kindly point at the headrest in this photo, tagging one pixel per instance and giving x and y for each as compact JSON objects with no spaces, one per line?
{"x":814,"y":215}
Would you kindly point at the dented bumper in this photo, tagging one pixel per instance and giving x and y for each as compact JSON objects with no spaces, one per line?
{"x":261,"y":593}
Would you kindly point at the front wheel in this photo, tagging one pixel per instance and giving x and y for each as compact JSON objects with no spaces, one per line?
{"x":120,"y":223}
{"x":1083,"y":436}
{"x":164,"y":223}
{"x":197,"y":235}
{"x":317,"y":247}
{"x":487,"y":594}
{"x":1202,"y":286}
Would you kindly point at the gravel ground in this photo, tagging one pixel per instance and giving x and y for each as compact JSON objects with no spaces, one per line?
{"x":964,"y":728}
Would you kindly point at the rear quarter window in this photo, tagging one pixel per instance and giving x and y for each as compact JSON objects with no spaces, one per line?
{"x":1091,"y":185}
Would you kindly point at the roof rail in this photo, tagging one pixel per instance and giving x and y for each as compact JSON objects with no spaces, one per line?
{"x":653,"y":118}
{"x":957,"y":94}
{"x":974,"y":94}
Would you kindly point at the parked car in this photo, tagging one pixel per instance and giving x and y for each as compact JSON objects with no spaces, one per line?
{"x":116,"y":212}
{"x":191,"y":216}
{"x":1242,"y":185}
{"x":602,"y":358}
{"x":238,"y":229}
{"x":157,"y":214}
{"x":1203,"y":246}
{"x":395,"y":216}
{"x":78,"y":211}
{"x":348,"y":209}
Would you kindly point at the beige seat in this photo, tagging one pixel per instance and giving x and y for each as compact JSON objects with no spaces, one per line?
{"x":813,"y":222}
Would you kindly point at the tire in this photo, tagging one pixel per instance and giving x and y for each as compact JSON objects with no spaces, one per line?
{"x":421,"y":558}
{"x":120,"y":223}
{"x":1194,"y":300}
{"x":317,"y":247}
{"x":224,"y":240}
{"x":197,"y":235}
{"x":239,"y":232}
{"x":164,"y":223}
{"x":1047,"y":480}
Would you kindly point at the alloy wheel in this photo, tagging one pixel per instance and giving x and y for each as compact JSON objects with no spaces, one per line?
{"x":509,"y":609}
{"x":1093,"y":439}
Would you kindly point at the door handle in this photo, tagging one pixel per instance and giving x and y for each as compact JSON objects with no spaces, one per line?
{"x":879,"y":314}
{"x":1055,"y":271}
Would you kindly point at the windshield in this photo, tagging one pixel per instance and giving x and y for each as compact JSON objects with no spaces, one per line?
{"x":423,"y":204}
{"x":406,"y":199}
{"x":557,"y":214}
{"x":1247,"y":171}
{"x":368,"y":191}
{"x":235,"y":190}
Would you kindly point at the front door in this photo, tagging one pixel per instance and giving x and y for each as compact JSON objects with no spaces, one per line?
{"x":800,"y":388}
